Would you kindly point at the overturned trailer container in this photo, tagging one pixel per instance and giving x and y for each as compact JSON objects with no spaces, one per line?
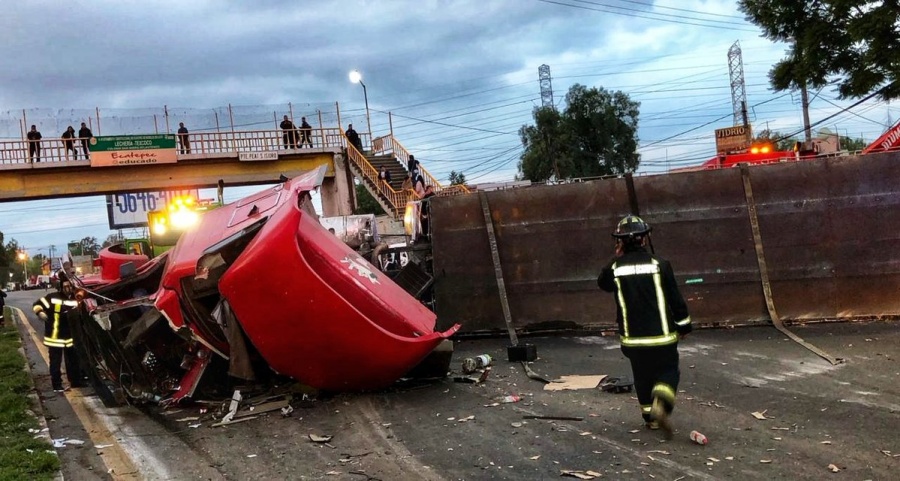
{"x":259,"y":286}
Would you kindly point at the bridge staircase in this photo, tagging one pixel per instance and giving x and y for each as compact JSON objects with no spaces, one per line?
{"x":388,"y":152}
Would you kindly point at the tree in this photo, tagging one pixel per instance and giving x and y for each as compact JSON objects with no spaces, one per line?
{"x":851,"y":42}
{"x":595,"y":135}
{"x":112,"y":239}
{"x":365,"y":203}
{"x":457,"y":178}
{"x":89,"y":246}
{"x":852,"y":145}
{"x":779,"y":140}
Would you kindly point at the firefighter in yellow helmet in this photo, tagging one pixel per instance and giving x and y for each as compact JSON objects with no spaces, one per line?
{"x":53,"y":309}
{"x":652,"y":317}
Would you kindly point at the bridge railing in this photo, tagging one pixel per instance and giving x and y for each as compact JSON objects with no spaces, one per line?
{"x":387,"y":144}
{"x":14,"y":154}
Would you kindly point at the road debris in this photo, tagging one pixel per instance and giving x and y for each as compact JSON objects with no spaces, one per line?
{"x":574,"y":382}
{"x":320,"y":439}
{"x":554,"y":418}
{"x":617,"y":385}
{"x":833,"y":468}
{"x":512,"y":398}
{"x":765,"y":461}
{"x":580,"y":474}
{"x":699,"y":438}
{"x":480,"y":378}
{"x":761,"y":415}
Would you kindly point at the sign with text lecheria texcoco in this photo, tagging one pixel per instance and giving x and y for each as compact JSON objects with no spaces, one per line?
{"x":133,"y":150}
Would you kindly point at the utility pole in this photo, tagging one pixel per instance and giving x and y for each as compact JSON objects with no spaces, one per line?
{"x":804,"y":102}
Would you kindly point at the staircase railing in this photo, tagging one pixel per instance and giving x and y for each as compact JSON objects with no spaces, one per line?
{"x":396,"y":199}
{"x":387,"y":144}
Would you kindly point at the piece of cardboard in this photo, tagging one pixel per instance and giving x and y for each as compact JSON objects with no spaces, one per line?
{"x":575,"y":382}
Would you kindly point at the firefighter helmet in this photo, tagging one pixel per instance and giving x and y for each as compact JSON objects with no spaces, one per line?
{"x":630,"y":227}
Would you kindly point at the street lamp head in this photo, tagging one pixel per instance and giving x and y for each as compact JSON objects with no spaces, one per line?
{"x":355,"y":76}
{"x":22,"y":256}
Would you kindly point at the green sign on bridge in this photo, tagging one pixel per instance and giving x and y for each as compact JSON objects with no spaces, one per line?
{"x":133,"y":150}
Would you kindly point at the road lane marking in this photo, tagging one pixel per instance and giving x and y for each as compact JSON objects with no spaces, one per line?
{"x":117,"y":461}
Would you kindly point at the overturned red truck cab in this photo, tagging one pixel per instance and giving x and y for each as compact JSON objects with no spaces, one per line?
{"x":259,"y":286}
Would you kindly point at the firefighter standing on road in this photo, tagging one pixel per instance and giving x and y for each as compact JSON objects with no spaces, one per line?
{"x":652,"y":317}
{"x":53,"y":309}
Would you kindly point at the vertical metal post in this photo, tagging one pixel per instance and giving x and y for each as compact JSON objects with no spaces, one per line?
{"x":498,"y":269}
{"x":166,"y":111}
{"x":97,"y":109}
{"x":321,"y":128}
{"x":155,"y":126}
{"x":231,"y":118}
{"x":25,"y":122}
{"x":337,"y":109}
{"x":391,"y":124}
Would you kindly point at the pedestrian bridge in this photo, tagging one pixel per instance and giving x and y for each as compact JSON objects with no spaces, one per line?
{"x":229,"y":158}
{"x":213,"y":157}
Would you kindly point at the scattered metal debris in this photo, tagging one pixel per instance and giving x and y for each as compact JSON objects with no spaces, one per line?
{"x":555,"y":418}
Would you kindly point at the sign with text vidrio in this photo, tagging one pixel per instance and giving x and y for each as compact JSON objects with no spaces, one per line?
{"x":733,"y":139}
{"x":133,"y":150}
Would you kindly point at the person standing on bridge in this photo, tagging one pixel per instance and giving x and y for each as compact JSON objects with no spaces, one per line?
{"x":385,"y":175}
{"x":85,"y":134}
{"x":68,"y":140}
{"x":290,"y":133}
{"x":34,"y":144}
{"x":183,"y":140}
{"x":353,"y":137}
{"x":652,"y":318}
{"x":412,"y":165}
{"x":305,"y":133}
{"x":54,"y":310}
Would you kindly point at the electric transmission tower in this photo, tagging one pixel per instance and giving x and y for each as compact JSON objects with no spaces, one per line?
{"x":738,"y":87}
{"x":546,"y":86}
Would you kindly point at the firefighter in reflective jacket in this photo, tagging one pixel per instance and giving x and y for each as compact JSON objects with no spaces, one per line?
{"x":652,"y":317}
{"x":53,"y":309}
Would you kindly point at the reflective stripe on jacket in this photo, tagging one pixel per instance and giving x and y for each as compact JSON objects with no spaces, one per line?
{"x":56,"y":328}
{"x":650,"y":310}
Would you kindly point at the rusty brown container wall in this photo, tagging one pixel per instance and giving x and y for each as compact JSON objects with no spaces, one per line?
{"x":828,"y":230}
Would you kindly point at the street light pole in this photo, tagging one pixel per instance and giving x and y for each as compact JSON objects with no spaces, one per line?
{"x":356,"y":77}
{"x":23,"y":257}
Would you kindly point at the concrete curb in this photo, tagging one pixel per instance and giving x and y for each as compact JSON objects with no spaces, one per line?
{"x":37,"y":409}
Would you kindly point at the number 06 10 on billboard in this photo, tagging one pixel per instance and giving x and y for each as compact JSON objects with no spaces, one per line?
{"x":130,"y":210}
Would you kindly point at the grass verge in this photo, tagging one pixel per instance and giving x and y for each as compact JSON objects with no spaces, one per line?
{"x":21,"y":455}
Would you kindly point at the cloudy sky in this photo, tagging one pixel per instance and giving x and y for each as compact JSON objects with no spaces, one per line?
{"x":459,"y":77}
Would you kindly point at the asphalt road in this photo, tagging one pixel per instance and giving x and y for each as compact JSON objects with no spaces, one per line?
{"x":815,"y":415}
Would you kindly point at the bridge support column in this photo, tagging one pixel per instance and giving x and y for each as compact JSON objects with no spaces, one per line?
{"x":338,"y":192}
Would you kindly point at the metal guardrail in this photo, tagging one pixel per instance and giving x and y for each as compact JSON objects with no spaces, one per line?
{"x":15,"y":153}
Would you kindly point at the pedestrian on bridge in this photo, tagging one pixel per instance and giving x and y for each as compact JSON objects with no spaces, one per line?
{"x":85,"y":134}
{"x":412,"y":165}
{"x":68,"y":141}
{"x":385,"y":175}
{"x":652,"y":318}
{"x":290,"y":133}
{"x":305,"y":133}
{"x":353,"y":138}
{"x":54,"y":310}
{"x":183,"y":139}
{"x":34,"y":144}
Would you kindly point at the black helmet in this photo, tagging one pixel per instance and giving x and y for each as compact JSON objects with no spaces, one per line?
{"x":630,"y":227}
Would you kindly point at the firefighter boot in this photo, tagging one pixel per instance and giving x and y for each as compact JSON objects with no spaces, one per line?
{"x":661,"y":417}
